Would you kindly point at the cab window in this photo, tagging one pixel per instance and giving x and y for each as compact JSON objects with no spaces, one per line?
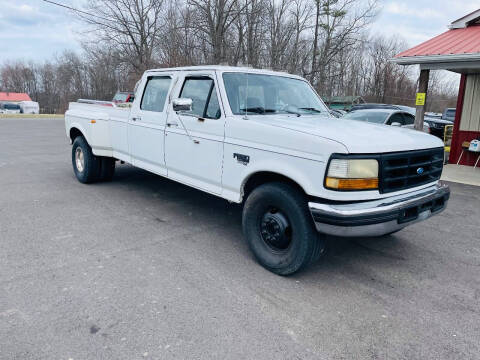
{"x":155,"y":93}
{"x":204,"y":97}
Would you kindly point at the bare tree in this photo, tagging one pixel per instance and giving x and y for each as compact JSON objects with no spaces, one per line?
{"x":248,"y":46}
{"x":338,"y":26}
{"x":213,"y":19}
{"x":131,"y":26}
{"x":324,"y":40}
{"x":281,"y":30}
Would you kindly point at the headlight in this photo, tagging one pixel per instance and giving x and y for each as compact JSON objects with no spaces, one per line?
{"x":352,"y":174}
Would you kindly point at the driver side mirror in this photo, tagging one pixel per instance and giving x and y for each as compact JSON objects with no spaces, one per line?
{"x":396,"y":124}
{"x":182,"y":104}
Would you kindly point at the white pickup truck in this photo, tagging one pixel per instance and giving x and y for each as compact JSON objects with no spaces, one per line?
{"x":265,"y":139}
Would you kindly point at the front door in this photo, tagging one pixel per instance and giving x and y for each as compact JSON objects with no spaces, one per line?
{"x":194,"y":140}
{"x":147,"y":125}
{"x":409,"y":121}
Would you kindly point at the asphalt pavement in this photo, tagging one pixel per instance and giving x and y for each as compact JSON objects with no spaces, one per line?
{"x":145,"y":268}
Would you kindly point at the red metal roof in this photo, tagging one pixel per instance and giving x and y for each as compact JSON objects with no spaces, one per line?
{"x":11,"y":96}
{"x":451,"y":42}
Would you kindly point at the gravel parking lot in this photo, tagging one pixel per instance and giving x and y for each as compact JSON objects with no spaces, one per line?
{"x":143,"y":267}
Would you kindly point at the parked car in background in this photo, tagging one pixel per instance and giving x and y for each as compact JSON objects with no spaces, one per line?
{"x":436,"y":124}
{"x":123,"y":97}
{"x":372,"y":106}
{"x":10,"y":108}
{"x":449,"y":114}
{"x":29,"y":107}
{"x":386,"y":117}
{"x":434,"y":115}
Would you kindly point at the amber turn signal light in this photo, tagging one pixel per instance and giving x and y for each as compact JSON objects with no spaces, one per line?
{"x":351,"y":184}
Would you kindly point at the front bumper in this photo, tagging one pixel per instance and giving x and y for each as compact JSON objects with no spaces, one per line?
{"x":379,"y":217}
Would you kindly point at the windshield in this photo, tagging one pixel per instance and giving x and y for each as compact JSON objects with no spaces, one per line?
{"x":269,"y":94}
{"x":451,"y":113}
{"x":11,"y":107}
{"x":377,"y":117}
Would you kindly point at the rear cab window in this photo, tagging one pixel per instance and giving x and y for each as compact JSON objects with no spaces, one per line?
{"x":155,"y":93}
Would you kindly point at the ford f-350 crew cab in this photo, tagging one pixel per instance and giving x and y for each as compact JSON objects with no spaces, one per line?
{"x":265,"y":139}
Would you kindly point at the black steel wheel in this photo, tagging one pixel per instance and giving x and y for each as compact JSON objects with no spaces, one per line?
{"x":279,"y":228}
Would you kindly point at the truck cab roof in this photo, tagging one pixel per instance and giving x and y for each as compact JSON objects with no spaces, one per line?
{"x":223,"y":68}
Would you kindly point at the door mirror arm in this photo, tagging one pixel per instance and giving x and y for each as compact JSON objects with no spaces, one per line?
{"x":179,"y":115}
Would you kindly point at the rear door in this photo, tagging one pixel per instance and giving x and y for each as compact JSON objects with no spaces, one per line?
{"x":194,"y":140}
{"x":147,"y":124}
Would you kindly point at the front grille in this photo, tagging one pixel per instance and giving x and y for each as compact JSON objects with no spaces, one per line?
{"x":403,"y":170}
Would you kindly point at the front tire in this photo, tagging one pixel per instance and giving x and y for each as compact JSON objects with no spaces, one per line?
{"x":279,"y":228}
{"x":86,"y":166}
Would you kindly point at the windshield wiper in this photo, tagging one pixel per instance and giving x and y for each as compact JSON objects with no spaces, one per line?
{"x":262,"y":110}
{"x":311,"y":109}
{"x":256,"y":110}
{"x":292,"y":112}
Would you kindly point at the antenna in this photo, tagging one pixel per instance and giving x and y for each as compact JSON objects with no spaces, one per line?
{"x":246,"y":98}
{"x":246,"y":73}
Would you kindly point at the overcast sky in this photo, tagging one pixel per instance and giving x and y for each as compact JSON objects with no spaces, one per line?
{"x":34,"y":30}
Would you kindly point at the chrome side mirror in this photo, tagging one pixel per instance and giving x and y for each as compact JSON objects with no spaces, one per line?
{"x":182,"y":104}
{"x":396,"y":124}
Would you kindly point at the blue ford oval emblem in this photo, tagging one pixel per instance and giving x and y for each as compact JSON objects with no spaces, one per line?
{"x":420,"y":170}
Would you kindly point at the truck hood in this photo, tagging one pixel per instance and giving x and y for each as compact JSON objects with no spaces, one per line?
{"x":357,"y":136}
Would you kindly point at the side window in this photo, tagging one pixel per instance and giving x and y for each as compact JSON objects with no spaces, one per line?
{"x":155,"y":94}
{"x":203,"y":95}
{"x":409,"y":119}
{"x":396,"y":118}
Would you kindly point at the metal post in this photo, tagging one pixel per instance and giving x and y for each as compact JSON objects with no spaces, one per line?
{"x":422,"y":88}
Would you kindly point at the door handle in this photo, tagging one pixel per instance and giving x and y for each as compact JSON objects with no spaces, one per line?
{"x":136,"y":118}
{"x":172,"y":123}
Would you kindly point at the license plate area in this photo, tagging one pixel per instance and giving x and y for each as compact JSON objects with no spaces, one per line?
{"x":412,"y":213}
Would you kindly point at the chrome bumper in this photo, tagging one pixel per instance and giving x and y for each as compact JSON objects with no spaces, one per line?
{"x":379,"y":217}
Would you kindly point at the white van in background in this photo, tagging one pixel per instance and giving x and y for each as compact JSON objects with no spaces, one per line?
{"x":29,"y":107}
{"x":10,"y":108}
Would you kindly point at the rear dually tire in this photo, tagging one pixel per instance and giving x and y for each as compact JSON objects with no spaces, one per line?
{"x":86,"y":165}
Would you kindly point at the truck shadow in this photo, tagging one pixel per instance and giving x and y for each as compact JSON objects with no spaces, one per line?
{"x":182,"y":203}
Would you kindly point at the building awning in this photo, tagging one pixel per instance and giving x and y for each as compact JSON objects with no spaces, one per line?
{"x":452,"y":46}
{"x":15,"y":97}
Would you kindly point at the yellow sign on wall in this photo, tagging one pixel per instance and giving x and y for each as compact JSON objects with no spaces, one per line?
{"x":420,"y":99}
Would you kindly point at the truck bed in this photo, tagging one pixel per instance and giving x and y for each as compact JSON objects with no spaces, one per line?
{"x":100,"y":123}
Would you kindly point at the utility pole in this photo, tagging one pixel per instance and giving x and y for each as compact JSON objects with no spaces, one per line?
{"x":421,"y":98}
